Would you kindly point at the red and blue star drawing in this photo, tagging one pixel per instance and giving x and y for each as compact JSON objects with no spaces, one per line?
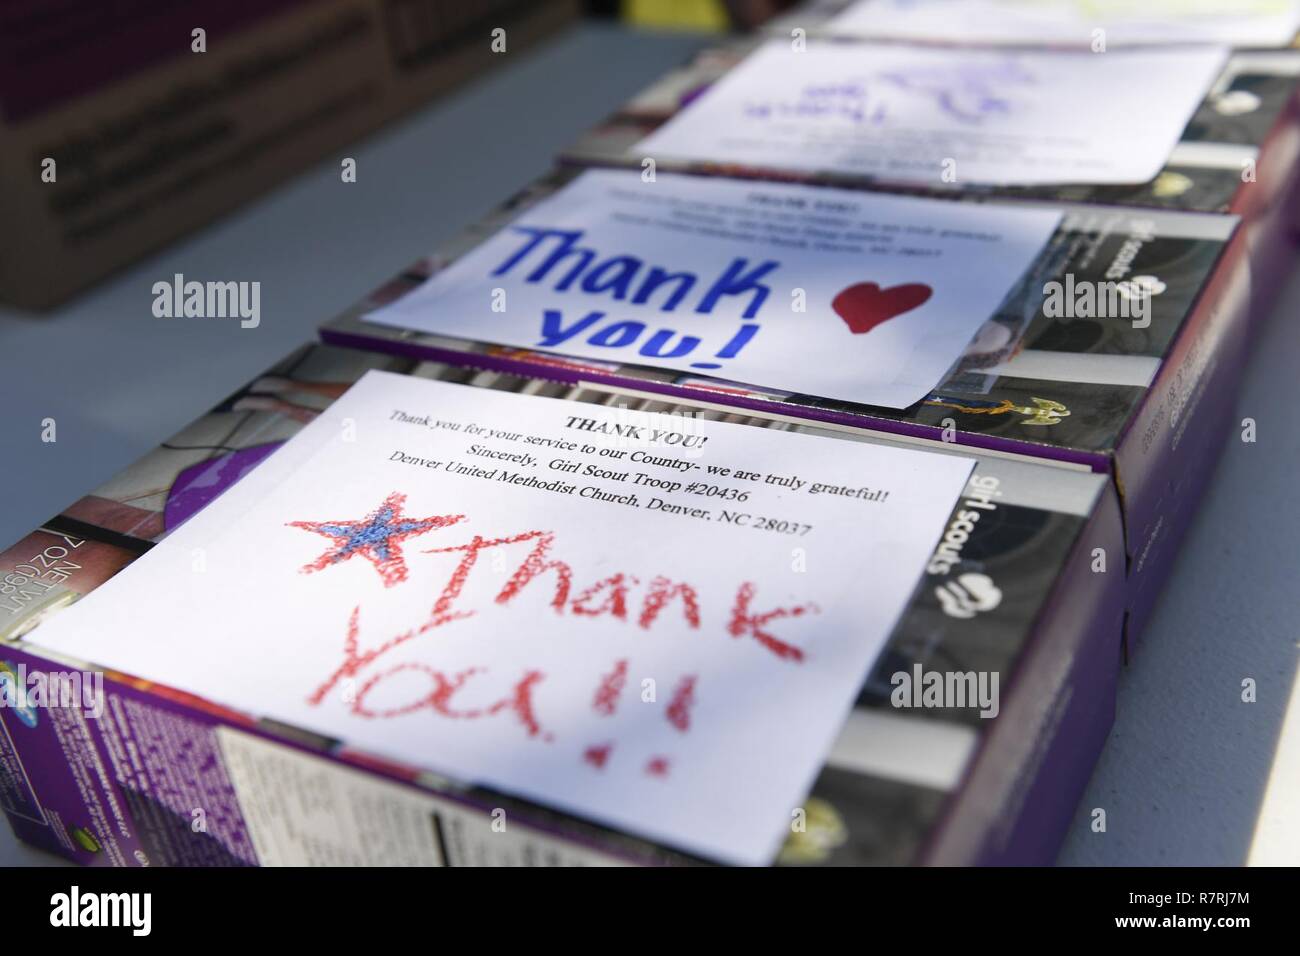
{"x":377,"y":537}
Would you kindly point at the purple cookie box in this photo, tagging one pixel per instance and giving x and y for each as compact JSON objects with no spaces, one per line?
{"x":1012,"y":806}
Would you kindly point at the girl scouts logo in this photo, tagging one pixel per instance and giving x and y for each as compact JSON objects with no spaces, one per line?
{"x":1044,"y":411}
{"x":968,"y":595}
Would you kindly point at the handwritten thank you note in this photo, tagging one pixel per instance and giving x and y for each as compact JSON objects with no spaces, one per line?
{"x":652,"y":621}
{"x":944,"y":115}
{"x":828,"y":292}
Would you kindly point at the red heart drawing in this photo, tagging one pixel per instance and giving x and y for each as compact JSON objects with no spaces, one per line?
{"x":865,"y":305}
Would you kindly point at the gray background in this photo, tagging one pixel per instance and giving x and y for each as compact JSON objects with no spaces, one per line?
{"x":1182,"y":776}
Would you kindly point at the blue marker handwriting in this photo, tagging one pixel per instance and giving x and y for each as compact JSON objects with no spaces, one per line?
{"x":556,"y":258}
{"x":967,"y":92}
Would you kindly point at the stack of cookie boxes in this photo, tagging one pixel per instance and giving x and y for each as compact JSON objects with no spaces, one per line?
{"x":1091,"y":451}
{"x":1011,"y":594}
{"x":1218,"y":223}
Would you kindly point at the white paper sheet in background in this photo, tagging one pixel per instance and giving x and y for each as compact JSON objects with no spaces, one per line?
{"x":911,"y":113}
{"x":830,"y":292}
{"x":1238,"y":23}
{"x":679,"y":671}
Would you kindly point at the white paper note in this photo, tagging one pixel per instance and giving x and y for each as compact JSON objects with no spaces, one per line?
{"x":940,"y":115}
{"x":656,"y":622}
{"x":1239,"y":23}
{"x":829,"y":292}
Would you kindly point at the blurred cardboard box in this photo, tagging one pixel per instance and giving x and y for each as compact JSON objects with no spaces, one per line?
{"x":150,"y":138}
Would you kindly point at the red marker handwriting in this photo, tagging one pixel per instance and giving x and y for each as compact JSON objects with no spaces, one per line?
{"x":661,"y":592}
{"x":597,"y":754}
{"x":444,"y":688}
{"x":613,"y":591}
{"x":679,"y":709}
{"x":743,"y":622}
{"x":612,"y":597}
{"x":611,"y":685}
